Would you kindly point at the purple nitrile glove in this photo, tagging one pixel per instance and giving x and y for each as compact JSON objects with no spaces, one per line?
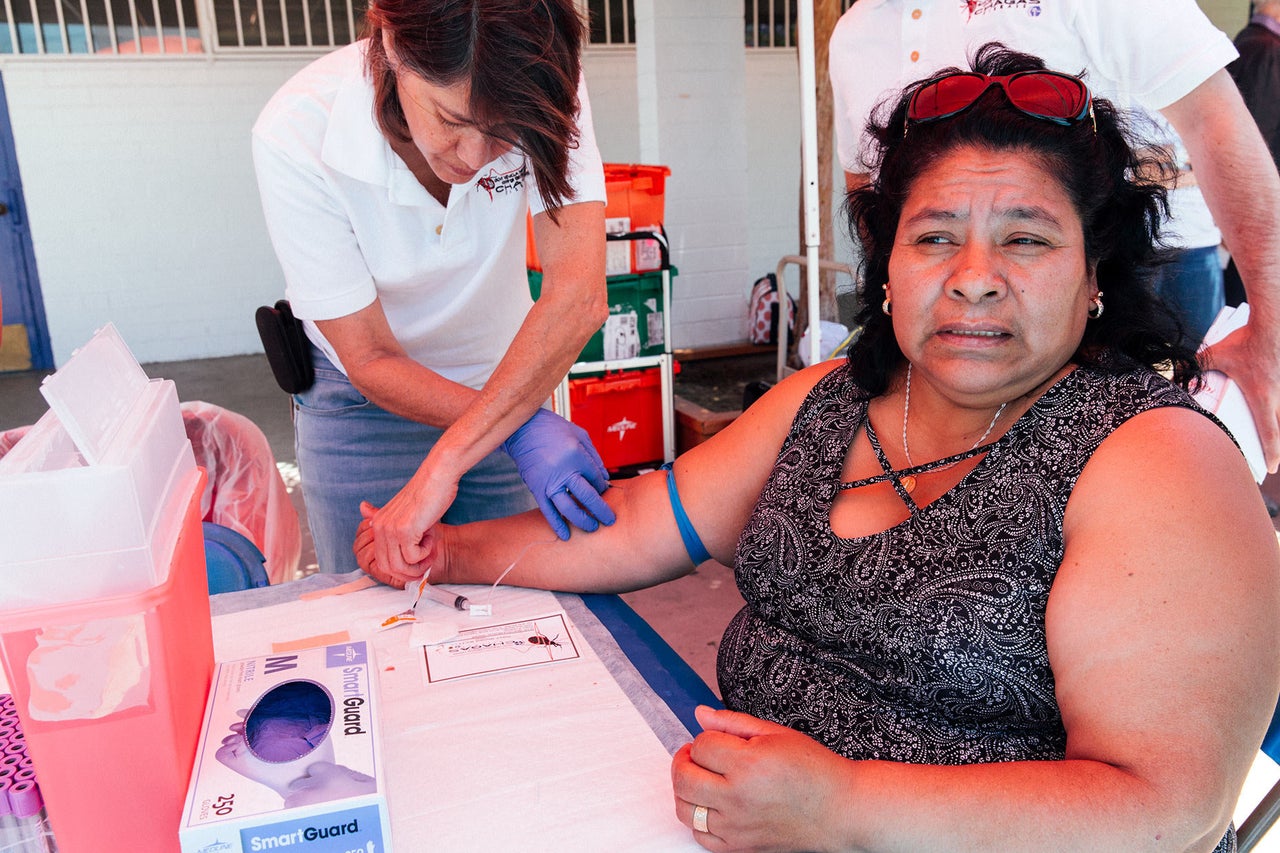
{"x":563,"y":470}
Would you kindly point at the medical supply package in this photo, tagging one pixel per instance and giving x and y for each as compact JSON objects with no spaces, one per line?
{"x":289,"y":757}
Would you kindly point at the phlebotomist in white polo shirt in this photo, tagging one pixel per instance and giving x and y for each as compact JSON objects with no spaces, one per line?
{"x":396,"y":175}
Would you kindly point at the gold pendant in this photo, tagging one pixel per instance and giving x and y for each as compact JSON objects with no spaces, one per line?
{"x":908,"y":483}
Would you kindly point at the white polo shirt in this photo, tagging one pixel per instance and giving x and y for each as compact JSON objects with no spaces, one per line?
{"x":1140,"y":54}
{"x":350,"y":223}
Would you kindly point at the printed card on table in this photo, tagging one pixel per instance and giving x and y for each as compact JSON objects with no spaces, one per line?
{"x":497,"y":648}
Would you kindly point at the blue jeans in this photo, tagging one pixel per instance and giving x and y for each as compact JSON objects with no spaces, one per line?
{"x":351,"y":450}
{"x":1192,"y":286}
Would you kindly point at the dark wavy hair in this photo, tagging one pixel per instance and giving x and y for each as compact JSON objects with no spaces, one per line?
{"x":1115,"y":188}
{"x":522,"y":59}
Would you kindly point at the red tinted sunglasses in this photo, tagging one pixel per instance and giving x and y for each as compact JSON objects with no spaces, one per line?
{"x":1045,"y":95}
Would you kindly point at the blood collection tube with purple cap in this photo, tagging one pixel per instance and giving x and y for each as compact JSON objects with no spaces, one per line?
{"x":24,"y":824}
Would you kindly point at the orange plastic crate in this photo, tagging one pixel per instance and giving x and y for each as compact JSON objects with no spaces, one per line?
{"x":632,"y":191}
{"x":636,"y":192}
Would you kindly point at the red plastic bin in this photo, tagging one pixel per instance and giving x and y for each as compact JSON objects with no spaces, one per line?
{"x":622,"y":412}
{"x":118,"y":780}
{"x":633,"y":191}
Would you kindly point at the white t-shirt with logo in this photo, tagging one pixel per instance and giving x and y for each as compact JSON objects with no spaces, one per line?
{"x":350,"y":223}
{"x":1140,"y":54}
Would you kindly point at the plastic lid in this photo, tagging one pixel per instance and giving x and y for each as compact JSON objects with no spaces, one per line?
{"x":93,"y":393}
{"x":25,"y":799}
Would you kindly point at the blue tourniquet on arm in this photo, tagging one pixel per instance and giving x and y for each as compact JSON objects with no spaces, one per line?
{"x":692,"y":541}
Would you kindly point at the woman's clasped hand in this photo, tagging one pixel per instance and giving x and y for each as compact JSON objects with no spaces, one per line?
{"x":736,"y":769}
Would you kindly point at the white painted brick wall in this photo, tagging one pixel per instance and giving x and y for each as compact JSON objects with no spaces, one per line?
{"x":692,"y":82}
{"x":144,"y":211}
{"x":773,"y":153}
{"x":141,"y":199}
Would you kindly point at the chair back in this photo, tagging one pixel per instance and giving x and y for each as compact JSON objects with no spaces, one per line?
{"x":232,"y":562}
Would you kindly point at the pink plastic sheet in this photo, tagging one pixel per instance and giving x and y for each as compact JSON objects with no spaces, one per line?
{"x":10,"y":437}
{"x":245,"y":491}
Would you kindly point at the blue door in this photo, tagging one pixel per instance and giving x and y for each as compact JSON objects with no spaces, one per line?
{"x":24,"y":342}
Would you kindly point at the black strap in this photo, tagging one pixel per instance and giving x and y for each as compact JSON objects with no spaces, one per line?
{"x":895,"y":477}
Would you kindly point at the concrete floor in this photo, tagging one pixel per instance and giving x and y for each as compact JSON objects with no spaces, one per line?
{"x":690,"y":613}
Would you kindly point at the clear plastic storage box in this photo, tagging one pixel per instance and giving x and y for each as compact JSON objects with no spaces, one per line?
{"x":87,"y":504}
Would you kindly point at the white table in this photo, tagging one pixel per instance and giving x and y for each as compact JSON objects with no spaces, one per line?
{"x":570,"y":756}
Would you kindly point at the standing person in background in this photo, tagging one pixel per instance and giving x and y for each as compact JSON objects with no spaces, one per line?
{"x":1163,"y":56}
{"x":1257,"y":73}
{"x":396,"y":175}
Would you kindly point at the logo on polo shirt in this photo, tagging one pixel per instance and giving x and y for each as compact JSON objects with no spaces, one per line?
{"x":500,"y":183}
{"x":982,"y":7}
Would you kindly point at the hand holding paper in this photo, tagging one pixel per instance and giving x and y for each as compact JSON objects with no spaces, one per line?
{"x":1222,"y":396}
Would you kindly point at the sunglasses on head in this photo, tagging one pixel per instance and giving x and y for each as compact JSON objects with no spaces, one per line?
{"x":1045,"y":95}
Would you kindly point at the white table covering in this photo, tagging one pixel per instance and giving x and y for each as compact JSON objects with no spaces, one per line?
{"x":573,"y":755}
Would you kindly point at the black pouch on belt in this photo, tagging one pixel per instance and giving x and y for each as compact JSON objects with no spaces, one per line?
{"x":288,"y":350}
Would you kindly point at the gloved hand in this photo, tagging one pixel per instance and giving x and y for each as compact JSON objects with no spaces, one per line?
{"x":563,"y":470}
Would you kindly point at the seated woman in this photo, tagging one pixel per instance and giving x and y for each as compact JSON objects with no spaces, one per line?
{"x":1007,"y":587}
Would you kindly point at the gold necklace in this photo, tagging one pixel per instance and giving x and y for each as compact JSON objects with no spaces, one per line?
{"x":909,"y":481}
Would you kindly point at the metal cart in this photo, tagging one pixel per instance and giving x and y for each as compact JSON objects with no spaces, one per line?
{"x":664,"y":361}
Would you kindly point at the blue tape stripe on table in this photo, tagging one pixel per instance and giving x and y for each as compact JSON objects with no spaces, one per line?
{"x":665,"y":671}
